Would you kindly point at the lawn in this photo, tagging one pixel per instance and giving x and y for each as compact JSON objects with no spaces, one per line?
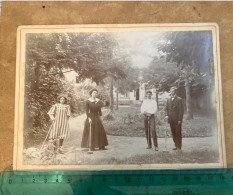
{"x":198,"y":156}
{"x":183,"y":157}
{"x":128,"y":122}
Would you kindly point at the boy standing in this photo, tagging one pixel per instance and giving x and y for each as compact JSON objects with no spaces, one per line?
{"x":149,"y":109}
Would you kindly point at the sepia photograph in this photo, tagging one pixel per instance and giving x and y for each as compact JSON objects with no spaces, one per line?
{"x":132,"y":96}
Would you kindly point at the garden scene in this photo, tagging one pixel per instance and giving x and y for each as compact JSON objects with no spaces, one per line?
{"x":122,"y":66}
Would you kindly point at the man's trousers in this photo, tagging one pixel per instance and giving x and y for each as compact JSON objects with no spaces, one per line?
{"x":176,"y":134}
{"x":150,"y":130}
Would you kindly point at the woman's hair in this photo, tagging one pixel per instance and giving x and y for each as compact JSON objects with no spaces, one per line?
{"x":90,"y":92}
{"x":60,"y":96}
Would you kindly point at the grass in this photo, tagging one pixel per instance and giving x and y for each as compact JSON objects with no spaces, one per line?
{"x":128,"y":122}
{"x":171,"y":157}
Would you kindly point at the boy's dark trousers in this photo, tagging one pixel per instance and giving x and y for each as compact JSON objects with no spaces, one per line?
{"x":152,"y":130}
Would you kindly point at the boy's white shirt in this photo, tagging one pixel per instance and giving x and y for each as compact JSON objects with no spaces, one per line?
{"x":149,"y":106}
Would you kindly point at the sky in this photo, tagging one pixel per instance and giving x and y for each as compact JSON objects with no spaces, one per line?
{"x":141,"y":46}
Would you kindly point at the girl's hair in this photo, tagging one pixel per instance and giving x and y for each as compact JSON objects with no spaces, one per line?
{"x":60,"y":96}
{"x":90,"y":92}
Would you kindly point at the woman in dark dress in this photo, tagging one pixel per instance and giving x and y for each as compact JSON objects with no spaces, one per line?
{"x":98,"y":137}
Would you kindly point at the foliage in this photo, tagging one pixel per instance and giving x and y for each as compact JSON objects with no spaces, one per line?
{"x":130,"y":82}
{"x":49,"y":56}
{"x":185,"y":54}
{"x":39,"y":95}
{"x":109,"y":116}
{"x":191,"y":51}
{"x":160,"y":74}
{"x":91,"y":55}
{"x":199,"y":127}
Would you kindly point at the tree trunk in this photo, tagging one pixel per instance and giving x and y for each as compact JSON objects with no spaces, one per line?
{"x":157,"y":99}
{"x":188,"y":99}
{"x":111,"y":94}
{"x":117,"y":102}
{"x":37,"y":72}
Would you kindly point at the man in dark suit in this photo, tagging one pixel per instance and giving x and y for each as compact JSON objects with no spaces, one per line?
{"x":174,"y":114}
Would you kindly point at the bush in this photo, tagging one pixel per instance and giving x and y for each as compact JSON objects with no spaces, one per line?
{"x":41,"y":92}
{"x":109,"y":116}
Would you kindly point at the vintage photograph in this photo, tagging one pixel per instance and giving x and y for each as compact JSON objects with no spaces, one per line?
{"x":118,"y":97}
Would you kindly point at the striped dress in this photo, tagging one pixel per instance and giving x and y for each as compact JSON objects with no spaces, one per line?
{"x":60,"y":128}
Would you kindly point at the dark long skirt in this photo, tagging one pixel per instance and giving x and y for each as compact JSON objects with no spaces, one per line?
{"x":98,"y":135}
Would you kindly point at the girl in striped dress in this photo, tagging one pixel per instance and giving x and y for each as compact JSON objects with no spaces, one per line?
{"x":59,"y":114}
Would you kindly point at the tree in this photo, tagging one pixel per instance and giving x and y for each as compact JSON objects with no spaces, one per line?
{"x":49,"y":56}
{"x":88,"y":54}
{"x":129,"y":83}
{"x":160,"y":73}
{"x":191,"y":52}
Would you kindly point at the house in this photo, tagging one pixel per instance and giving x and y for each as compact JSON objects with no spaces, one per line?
{"x":134,"y":96}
